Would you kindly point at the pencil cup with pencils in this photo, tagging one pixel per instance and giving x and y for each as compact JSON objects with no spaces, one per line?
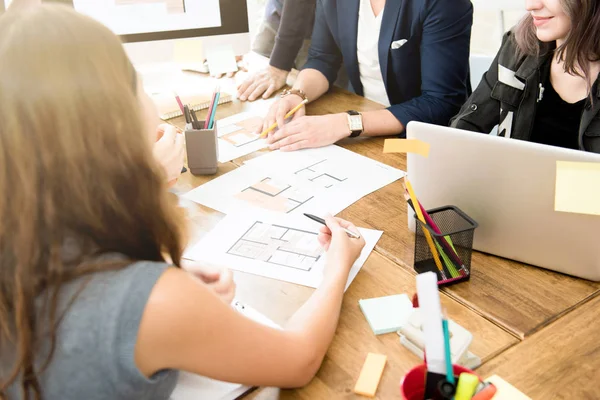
{"x":413,"y":384}
{"x":202,"y":148}
{"x":449,"y":253}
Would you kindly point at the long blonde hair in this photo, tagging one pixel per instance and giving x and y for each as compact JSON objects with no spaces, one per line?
{"x":75,"y":167}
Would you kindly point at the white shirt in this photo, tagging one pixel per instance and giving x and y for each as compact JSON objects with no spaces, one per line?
{"x":367,"y":51}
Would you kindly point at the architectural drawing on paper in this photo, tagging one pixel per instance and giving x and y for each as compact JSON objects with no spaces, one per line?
{"x":322,"y":173}
{"x":274,"y":195}
{"x":240,"y":133}
{"x":279,"y":245}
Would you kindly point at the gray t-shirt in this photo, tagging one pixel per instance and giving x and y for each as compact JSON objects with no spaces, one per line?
{"x":94,"y":354}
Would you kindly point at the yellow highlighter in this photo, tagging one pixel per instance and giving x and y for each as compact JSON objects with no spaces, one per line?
{"x":289,"y":114}
{"x":467,"y":384}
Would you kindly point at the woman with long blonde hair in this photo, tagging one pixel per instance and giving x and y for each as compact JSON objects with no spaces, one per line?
{"x":89,"y":308}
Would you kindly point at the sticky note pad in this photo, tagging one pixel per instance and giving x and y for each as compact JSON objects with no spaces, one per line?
{"x":505,"y":391}
{"x":188,"y":51}
{"x":577,"y":187}
{"x":370,"y":375}
{"x":406,"y":146}
{"x":221,"y":60}
{"x":386,"y":314}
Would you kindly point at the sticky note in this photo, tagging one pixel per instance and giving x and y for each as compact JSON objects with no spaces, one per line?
{"x":221,"y":60}
{"x":370,"y":375}
{"x":386,"y":314}
{"x":406,"y":146}
{"x":577,"y":187}
{"x":188,"y":52}
{"x":505,"y":391}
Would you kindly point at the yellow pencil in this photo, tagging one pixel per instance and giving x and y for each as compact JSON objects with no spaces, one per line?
{"x":428,"y":237}
{"x":292,"y":112}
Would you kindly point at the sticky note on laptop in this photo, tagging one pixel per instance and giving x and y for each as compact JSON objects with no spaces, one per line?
{"x":406,"y":146}
{"x":386,"y":314}
{"x":577,"y":187}
{"x":504,"y":390}
{"x":370,"y":375}
{"x":189,"y":54}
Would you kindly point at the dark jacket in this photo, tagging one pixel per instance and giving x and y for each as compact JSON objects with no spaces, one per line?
{"x":293,"y":22}
{"x":425,"y":70}
{"x":508,"y":95}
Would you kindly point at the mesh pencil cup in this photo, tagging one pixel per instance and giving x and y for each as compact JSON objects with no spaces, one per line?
{"x":453,"y":245}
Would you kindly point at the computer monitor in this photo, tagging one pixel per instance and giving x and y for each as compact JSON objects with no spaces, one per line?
{"x":161,"y":22}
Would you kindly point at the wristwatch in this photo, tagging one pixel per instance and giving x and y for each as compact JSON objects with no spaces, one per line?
{"x":297,"y":92}
{"x":355,"y":123}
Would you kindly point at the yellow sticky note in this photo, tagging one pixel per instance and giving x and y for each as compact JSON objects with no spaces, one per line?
{"x":370,"y":375}
{"x":577,"y":187}
{"x":504,"y":390}
{"x":188,"y":51}
{"x":406,"y":146}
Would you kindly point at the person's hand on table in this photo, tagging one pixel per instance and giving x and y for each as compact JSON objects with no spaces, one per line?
{"x":218,"y":279}
{"x":302,"y":131}
{"x":169,"y":151}
{"x":262,"y":83}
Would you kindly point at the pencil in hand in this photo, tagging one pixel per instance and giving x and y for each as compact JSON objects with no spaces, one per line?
{"x":289,"y":114}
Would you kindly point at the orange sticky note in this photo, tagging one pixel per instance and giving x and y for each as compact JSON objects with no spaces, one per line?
{"x":370,"y":375}
{"x":415,"y":146}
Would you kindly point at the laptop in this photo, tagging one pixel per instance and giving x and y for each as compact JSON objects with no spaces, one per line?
{"x":507,"y":186}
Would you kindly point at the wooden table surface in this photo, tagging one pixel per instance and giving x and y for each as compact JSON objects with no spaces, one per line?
{"x":519,"y":315}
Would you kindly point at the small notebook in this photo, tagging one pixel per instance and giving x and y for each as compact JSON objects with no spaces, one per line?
{"x":168,"y":108}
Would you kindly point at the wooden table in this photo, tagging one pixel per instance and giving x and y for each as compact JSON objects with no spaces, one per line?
{"x":517,"y":313}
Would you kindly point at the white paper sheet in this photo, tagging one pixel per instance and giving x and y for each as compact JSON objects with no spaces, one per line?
{"x":193,"y":387}
{"x":279,"y":247}
{"x":236,"y":136}
{"x":316,"y":181}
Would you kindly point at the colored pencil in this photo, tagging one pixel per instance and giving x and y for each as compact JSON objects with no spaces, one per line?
{"x":179,"y":103}
{"x":210,"y":107}
{"x":428,"y":238}
{"x":211,"y":122}
{"x":289,"y":114}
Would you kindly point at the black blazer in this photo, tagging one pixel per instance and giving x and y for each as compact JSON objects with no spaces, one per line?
{"x":423,"y":53}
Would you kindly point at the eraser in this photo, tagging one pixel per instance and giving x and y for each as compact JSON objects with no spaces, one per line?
{"x":370,"y":375}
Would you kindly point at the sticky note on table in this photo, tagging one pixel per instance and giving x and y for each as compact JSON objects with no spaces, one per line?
{"x":577,"y":187}
{"x":370,"y":375}
{"x":504,"y":390}
{"x":221,"y":60}
{"x":406,"y":146}
{"x":386,"y":314}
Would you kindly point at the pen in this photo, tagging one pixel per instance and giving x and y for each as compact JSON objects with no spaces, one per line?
{"x":195,"y":122}
{"x":186,"y":113}
{"x":447,"y":352}
{"x":322,"y":221}
{"x":289,"y":114}
{"x":179,"y":103}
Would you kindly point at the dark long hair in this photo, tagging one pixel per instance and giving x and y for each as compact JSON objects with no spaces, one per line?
{"x":76,"y":166}
{"x":582,"y":44}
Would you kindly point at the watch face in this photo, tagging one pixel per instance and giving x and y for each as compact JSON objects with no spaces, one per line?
{"x":355,"y":122}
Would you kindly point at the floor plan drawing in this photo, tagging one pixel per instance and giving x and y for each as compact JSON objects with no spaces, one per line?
{"x":275,"y":195}
{"x":241,"y":133}
{"x":322,"y":173}
{"x":279,"y":245}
